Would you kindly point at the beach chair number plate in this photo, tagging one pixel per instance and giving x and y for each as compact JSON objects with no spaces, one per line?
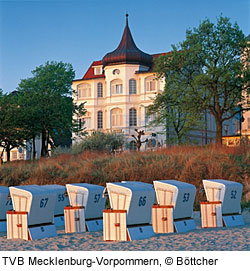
{"x":97,"y":198}
{"x":185,"y":197}
{"x":142,"y":201}
{"x":60,"y":197}
{"x":8,"y":202}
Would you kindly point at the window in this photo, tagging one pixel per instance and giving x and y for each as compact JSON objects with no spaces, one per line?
{"x":99,"y":90}
{"x":99,"y":120}
{"x":116,"y":71}
{"x":132,"y":117}
{"x":132,"y":86}
{"x":116,"y":117}
{"x":83,"y":91}
{"x":98,"y":70}
{"x":150,"y":84}
{"x":116,"y":87}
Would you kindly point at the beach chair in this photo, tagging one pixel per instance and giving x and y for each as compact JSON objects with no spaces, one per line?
{"x":223,"y":204}
{"x":86,"y":207}
{"x":5,"y":205}
{"x":33,"y":213}
{"x":174,"y":209}
{"x":131,"y":211}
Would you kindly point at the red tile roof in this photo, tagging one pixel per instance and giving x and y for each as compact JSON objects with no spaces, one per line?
{"x":160,"y":54}
{"x":155,"y":56}
{"x":91,"y":75}
{"x":90,"y":72}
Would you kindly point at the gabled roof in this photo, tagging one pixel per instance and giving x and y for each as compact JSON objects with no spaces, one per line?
{"x":90,"y":72}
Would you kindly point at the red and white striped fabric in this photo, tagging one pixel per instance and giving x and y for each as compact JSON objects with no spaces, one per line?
{"x":17,"y":225}
{"x":114,"y":225}
{"x":74,"y":219}
{"x":162,"y":218}
{"x":211,"y":214}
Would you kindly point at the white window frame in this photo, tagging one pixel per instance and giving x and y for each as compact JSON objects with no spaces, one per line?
{"x":116,"y":117}
{"x":99,"y":90}
{"x":98,"y":70}
{"x":132,"y":86}
{"x":116,"y":87}
{"x":151,"y":84}
{"x":99,"y":119}
{"x":132,"y":117}
{"x":84,"y":91}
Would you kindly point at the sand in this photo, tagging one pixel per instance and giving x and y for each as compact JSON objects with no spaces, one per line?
{"x":219,"y":239}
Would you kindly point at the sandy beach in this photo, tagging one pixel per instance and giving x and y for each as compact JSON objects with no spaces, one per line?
{"x":220,"y":239}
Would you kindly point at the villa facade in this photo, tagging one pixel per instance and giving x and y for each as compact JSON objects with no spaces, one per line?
{"x":119,"y":88}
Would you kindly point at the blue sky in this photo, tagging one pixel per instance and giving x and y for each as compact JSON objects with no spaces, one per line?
{"x":81,"y":31}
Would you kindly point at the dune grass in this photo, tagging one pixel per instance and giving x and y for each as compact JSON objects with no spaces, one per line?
{"x":185,"y":163}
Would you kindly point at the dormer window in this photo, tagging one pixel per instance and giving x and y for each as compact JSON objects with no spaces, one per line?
{"x":98,"y":70}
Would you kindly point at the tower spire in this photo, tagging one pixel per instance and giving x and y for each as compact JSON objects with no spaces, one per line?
{"x":127,"y":52}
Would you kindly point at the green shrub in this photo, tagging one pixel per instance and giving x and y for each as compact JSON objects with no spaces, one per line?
{"x":99,"y":141}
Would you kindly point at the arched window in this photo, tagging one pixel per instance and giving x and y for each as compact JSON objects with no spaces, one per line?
{"x":150,"y":83}
{"x":132,"y":86}
{"x":132,"y":117}
{"x":116,"y":117}
{"x":99,"y":120}
{"x":83,"y":91}
{"x":99,"y":90}
{"x":116,"y":87}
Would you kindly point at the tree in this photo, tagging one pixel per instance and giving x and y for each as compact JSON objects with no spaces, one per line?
{"x":138,"y":140}
{"x":170,"y":110}
{"x":212,"y":69}
{"x":12,"y":135}
{"x":47,"y":103}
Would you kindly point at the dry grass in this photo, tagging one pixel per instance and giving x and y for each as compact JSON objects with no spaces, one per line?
{"x":185,"y":163}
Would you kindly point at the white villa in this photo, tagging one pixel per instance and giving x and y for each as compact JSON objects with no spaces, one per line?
{"x":119,"y":88}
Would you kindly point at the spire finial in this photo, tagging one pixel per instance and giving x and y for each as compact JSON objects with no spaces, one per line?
{"x":126,"y":18}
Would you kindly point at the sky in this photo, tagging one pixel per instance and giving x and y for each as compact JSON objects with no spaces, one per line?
{"x":82,"y":31}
